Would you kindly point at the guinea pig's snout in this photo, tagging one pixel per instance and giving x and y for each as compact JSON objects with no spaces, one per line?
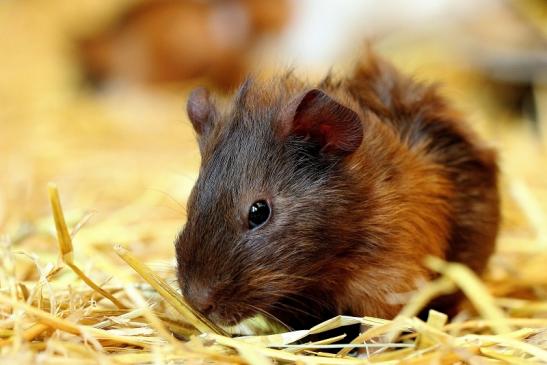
{"x":202,"y":299}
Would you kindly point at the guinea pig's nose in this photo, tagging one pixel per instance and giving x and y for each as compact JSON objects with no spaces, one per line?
{"x":203,"y":300}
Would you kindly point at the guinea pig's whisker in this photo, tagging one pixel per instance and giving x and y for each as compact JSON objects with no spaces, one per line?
{"x":291,"y":308}
{"x":268,"y":315}
{"x":297,"y":298}
{"x":172,"y":198}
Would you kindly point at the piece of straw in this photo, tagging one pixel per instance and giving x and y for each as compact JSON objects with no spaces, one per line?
{"x":474,"y":290}
{"x":65,"y":245}
{"x":201,"y":323}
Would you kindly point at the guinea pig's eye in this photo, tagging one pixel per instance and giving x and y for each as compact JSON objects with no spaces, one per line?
{"x":259,"y":213}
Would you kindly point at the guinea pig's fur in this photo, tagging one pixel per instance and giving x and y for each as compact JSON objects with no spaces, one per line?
{"x":366,"y":176}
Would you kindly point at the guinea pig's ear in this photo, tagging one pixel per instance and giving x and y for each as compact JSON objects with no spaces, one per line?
{"x":317,"y":116}
{"x":200,"y":110}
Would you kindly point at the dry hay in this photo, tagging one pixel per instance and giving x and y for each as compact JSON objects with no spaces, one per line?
{"x":130,"y":319}
{"x":69,"y":294}
{"x":130,"y":322}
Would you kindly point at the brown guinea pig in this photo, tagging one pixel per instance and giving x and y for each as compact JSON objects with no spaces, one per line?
{"x":166,"y":41}
{"x":318,"y":200}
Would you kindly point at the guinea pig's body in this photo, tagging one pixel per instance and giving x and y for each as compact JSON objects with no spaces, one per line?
{"x":352,"y":183}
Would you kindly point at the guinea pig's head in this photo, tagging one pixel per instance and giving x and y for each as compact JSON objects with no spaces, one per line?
{"x":271,"y":198}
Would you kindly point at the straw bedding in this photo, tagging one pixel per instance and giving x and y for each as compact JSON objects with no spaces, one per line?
{"x":91,"y":280}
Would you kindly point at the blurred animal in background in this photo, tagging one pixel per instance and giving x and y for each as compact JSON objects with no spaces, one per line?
{"x":169,"y":41}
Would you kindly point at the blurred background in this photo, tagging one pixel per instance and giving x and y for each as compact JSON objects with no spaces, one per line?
{"x":92,"y":97}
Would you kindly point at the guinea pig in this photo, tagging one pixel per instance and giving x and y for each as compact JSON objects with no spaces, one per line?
{"x":169,"y":41}
{"x":324,"y":199}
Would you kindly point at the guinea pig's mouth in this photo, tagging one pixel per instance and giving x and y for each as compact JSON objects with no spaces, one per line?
{"x":222,"y":318}
{"x":249,"y":323}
